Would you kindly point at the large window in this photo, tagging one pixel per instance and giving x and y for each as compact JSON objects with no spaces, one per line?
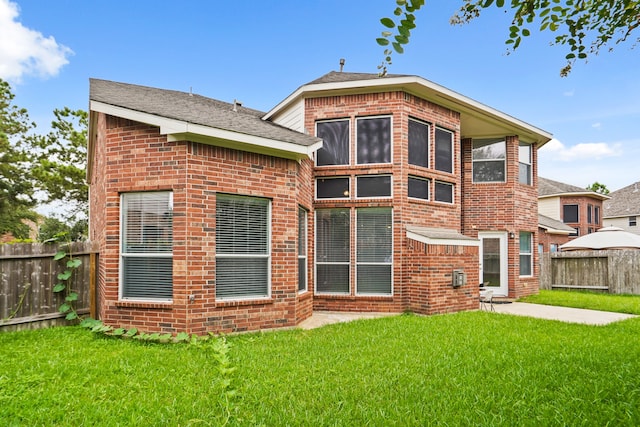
{"x":369,"y":186}
{"x":373,"y":140}
{"x":524,"y":165}
{"x":374,"y":251}
{"x":242,"y":247}
{"x":335,"y":145}
{"x":596,"y":212}
{"x":418,"y":143}
{"x":418,"y":188}
{"x":444,"y":150}
{"x":632,"y":221}
{"x":570,"y":213}
{"x":302,"y":250}
{"x":589,"y":214}
{"x":526,"y":254}
{"x":443,"y":192}
{"x":489,"y":157}
{"x":147,"y":246}
{"x":332,"y":251}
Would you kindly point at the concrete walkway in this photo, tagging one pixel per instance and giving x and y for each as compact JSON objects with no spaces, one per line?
{"x":564,"y":314}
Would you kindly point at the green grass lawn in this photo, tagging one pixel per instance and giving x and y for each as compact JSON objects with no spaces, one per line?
{"x":472,"y":368}
{"x":629,"y":304}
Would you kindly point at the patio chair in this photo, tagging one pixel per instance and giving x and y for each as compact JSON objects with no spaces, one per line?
{"x":486,"y":297}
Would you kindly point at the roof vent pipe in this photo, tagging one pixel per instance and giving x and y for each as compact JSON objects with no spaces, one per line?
{"x":236,"y":104}
{"x":341,"y":64}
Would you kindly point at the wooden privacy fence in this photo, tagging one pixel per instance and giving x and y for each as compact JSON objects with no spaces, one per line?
{"x":28,"y":274}
{"x":612,"y":271}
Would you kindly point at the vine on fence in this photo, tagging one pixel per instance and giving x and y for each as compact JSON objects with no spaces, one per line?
{"x":65,"y":279}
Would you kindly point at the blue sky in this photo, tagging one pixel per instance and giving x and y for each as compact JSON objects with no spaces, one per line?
{"x":259,"y":52}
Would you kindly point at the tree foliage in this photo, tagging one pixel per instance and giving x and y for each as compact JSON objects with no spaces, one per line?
{"x":598,"y":188}
{"x":584,"y":27}
{"x":16,"y":188}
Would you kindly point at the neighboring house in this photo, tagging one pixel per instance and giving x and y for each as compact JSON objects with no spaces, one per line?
{"x":552,"y":233}
{"x":355,"y":193}
{"x":623,"y":208}
{"x":576,"y":207}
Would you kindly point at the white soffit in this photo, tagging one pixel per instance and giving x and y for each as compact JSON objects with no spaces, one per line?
{"x":440,"y":236}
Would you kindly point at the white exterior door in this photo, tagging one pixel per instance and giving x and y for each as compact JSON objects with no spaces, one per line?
{"x":493,"y":261}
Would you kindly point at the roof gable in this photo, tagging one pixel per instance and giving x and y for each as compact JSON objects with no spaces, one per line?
{"x":551,"y":188}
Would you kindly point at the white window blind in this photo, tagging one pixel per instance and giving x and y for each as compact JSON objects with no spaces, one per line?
{"x":147,"y":246}
{"x":242,"y":247}
{"x":526,"y":254}
{"x":374,"y":249}
{"x":332,"y":251}
{"x":302,"y":250}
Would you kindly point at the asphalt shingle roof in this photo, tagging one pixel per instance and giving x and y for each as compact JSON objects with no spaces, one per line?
{"x":549,"y":187}
{"x":553,"y":224}
{"x":623,"y":202}
{"x":338,"y":77}
{"x":192,"y":108}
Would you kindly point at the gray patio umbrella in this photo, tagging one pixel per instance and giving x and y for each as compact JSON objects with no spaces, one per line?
{"x":605,"y":238}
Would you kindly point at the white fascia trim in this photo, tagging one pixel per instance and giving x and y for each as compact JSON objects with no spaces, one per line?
{"x":452,"y":99}
{"x":450,"y":242}
{"x":177,"y":130}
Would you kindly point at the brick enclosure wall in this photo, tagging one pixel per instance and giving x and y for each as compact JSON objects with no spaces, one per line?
{"x":140,"y":159}
{"x":547,"y":239}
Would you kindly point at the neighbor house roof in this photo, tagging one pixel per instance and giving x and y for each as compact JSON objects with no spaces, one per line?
{"x":553,"y":226}
{"x":477,"y":120}
{"x":187,"y":116}
{"x":623,"y":202}
{"x":551,"y":188}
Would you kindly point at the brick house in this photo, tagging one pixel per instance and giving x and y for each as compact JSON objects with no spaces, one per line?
{"x":355,"y":193}
{"x":622,"y":209}
{"x":577,"y":208}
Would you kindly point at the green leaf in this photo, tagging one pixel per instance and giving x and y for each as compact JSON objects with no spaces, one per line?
{"x":382,"y":42}
{"x":118,"y":332}
{"x":570,"y":56}
{"x":526,"y":32}
{"x":59,"y":255}
{"x":582,"y":55}
{"x":386,"y":34}
{"x":397,"y":47}
{"x":487,"y":3}
{"x":71,"y":316}
{"x":74,"y":263}
{"x":64,"y":308}
{"x":72,"y":297}
{"x":59,"y":287}
{"x":398,"y":11}
{"x":388,"y":22}
{"x":401,"y":39}
{"x":131,"y":332}
{"x":65,"y":275}
{"x":500,"y":3}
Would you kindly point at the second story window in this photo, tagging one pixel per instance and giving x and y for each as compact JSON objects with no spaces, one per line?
{"x":570,"y":214}
{"x":589,"y":214}
{"x":332,"y":188}
{"x":373,"y":186}
{"x":632,"y":221}
{"x":444,"y":150}
{"x":489,"y":158}
{"x":418,"y":143}
{"x":373,"y":140}
{"x":335,"y":143}
{"x":524,"y":165}
{"x":596,"y":212}
{"x":443,"y":192}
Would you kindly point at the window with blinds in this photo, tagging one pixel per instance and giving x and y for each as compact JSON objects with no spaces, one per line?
{"x":332,"y":251}
{"x":242,"y":247}
{"x":374,"y":252}
{"x":302,"y":250}
{"x":147,"y":246}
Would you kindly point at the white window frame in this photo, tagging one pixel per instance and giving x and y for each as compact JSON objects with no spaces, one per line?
{"x":529,"y":164}
{"x":124,"y":255}
{"x":453,"y":192}
{"x":316,"y":252}
{"x":419,"y":178}
{"x":375,"y":197}
{"x":358,"y":263}
{"x":503,"y":161}
{"x":428,"y":125}
{"x":344,"y":119}
{"x":303,"y":243}
{"x":346,"y":197}
{"x":452,"y":135}
{"x":529,"y":254}
{"x":382,"y":116}
{"x":267,"y":255}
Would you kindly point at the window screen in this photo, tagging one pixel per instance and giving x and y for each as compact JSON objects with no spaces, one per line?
{"x":335,"y":145}
{"x":242,"y":247}
{"x":332,"y":188}
{"x":418,"y":143}
{"x":332,"y":250}
{"x":489,"y":156}
{"x":374,"y":140}
{"x":374,"y":186}
{"x":444,"y":150}
{"x":418,"y":188}
{"x":374,"y":251}
{"x":147,"y":246}
{"x":443,"y":192}
{"x":570,"y":213}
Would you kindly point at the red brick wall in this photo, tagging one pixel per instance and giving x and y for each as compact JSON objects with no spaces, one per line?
{"x":583,"y":202}
{"x":140,"y":159}
{"x":547,"y":239}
